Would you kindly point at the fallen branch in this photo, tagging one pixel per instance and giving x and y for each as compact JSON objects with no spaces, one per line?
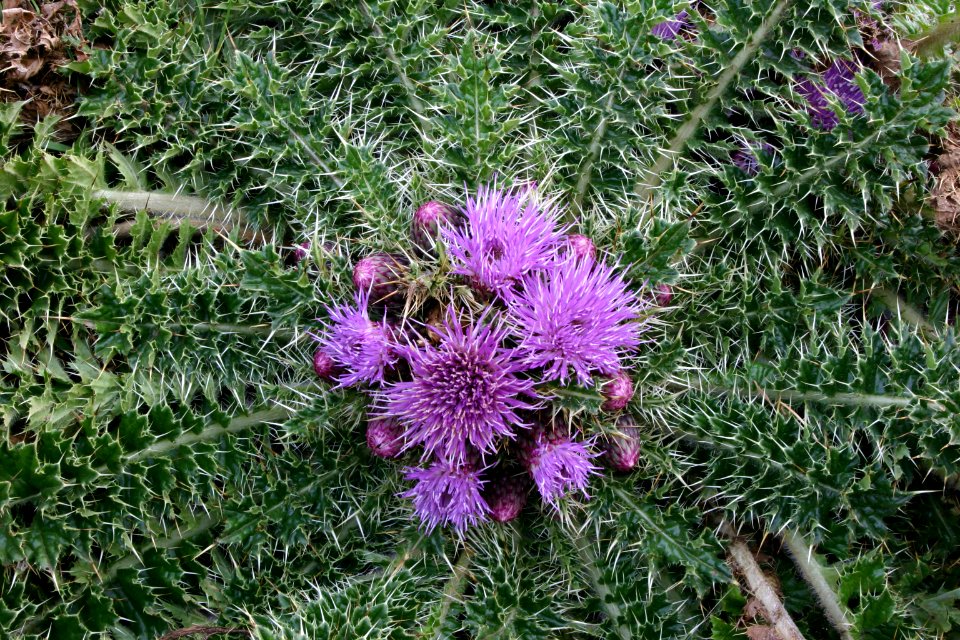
{"x":205,"y":632}
{"x":178,"y":209}
{"x":744,"y":564}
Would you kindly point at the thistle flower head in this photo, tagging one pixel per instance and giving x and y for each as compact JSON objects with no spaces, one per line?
{"x":663,"y":294}
{"x":578,"y":315}
{"x":381,"y":276}
{"x":507,"y":495}
{"x":506,"y":236}
{"x":581,"y":246}
{"x":746,"y":158}
{"x":557,"y":463}
{"x":447,"y":493}
{"x":622,"y":451}
{"x":670,"y":29}
{"x":463,"y":392}
{"x":362,"y":347}
{"x":324,"y":366}
{"x":618,"y":391}
{"x":839,"y":80}
{"x":301,"y":251}
{"x":427,"y":220}
{"x":384,"y":437}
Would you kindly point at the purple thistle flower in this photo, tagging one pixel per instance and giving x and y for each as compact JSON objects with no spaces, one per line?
{"x":557,"y":464}
{"x":623,"y":448}
{"x":362,"y":347}
{"x":839,"y":80}
{"x":506,"y":236}
{"x":618,"y":392}
{"x":384,"y":437}
{"x":506,"y":496}
{"x":381,"y":274}
{"x":464,"y":392}
{"x":427,"y":220}
{"x":578,"y":315}
{"x":581,"y":246}
{"x":447,"y":494}
{"x":670,"y":29}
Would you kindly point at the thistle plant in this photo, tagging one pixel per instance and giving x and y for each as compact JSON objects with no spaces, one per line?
{"x":206,"y":428}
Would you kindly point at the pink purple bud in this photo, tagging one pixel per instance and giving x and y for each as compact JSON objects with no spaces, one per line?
{"x":301,"y":251}
{"x":506,"y":497}
{"x":381,"y":275}
{"x":384,"y":437}
{"x":427,"y":220}
{"x":622,"y":451}
{"x":581,"y":246}
{"x":664,"y":294}
{"x":618,"y":392}
{"x":324,"y":366}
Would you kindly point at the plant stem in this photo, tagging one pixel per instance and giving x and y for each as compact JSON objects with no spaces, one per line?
{"x":811,"y":570}
{"x":744,"y":563}
{"x":211,"y":432}
{"x":454,"y":588}
{"x":867,"y":400}
{"x":219,"y":327}
{"x":202,"y":525}
{"x":589,"y":564}
{"x":178,"y":209}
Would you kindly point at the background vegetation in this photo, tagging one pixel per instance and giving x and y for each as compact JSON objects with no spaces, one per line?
{"x":168,"y":459}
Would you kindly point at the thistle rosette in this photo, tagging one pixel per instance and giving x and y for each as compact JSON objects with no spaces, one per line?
{"x":447,"y":493}
{"x":468,"y":384}
{"x":362,"y":348}
{"x":506,"y":235}
{"x":465,"y":392}
{"x":579,"y":315}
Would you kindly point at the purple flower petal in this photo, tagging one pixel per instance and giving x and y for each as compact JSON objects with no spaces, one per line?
{"x":447,"y":494}
{"x":579,"y":315}
{"x":506,"y":236}
{"x":357,"y":344}
{"x":464,"y":392}
{"x":670,"y":29}
{"x":558,"y":464}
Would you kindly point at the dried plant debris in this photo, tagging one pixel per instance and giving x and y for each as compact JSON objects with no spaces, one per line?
{"x":34,"y":44}
{"x":945,"y":196}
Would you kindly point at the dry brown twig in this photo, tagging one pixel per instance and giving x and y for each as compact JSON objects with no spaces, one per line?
{"x":204,"y":632}
{"x":744,"y":564}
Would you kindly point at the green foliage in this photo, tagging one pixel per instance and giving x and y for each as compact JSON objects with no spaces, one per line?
{"x":169,"y":459}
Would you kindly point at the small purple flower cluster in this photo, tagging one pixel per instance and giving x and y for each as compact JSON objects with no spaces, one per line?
{"x":839,"y":81}
{"x":468,"y":383}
